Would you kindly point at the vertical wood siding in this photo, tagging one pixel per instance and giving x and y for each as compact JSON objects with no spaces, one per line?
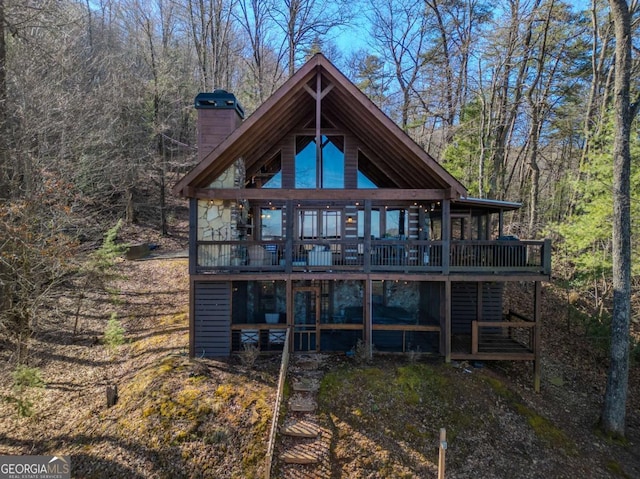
{"x":464,"y":304}
{"x":212,"y":322}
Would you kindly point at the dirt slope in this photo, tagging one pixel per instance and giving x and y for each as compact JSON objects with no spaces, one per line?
{"x":205,"y":418}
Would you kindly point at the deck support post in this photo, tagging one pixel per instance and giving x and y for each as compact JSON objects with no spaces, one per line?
{"x":289,"y":228}
{"x":290,"y":312}
{"x":447,"y":321}
{"x":536,"y":337}
{"x":367,"y":236}
{"x":368,"y":315}
{"x":474,"y":337}
{"x":193,"y":269}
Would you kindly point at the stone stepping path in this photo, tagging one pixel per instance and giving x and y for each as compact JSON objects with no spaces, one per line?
{"x":304,"y":443}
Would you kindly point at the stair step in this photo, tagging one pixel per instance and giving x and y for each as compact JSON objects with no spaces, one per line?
{"x":305,"y":429}
{"x":302,"y":405}
{"x":308,"y":364}
{"x":300,"y":455}
{"x":306,"y":385}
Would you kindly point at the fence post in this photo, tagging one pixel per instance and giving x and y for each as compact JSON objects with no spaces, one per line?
{"x":442,"y":449}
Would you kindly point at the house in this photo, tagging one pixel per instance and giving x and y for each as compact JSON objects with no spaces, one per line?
{"x":317,"y":213}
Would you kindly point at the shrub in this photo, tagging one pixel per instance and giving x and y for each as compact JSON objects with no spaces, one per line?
{"x":249,"y":355}
{"x":114,"y":332}
{"x":361,"y":352}
{"x":25,"y":377}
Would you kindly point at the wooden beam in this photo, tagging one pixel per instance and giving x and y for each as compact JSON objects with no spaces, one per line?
{"x":474,"y":337}
{"x":368,"y":314}
{"x":308,"y":89}
{"x":446,"y":235}
{"x":381,"y":194}
{"x":506,"y":324}
{"x":318,"y":135}
{"x":537,"y":366}
{"x":493,"y":356}
{"x":290,"y":312}
{"x":479,"y":301}
{"x":325,"y":131}
{"x":447,"y":321}
{"x":327,"y":89}
{"x":406,"y":327}
{"x":193,"y":235}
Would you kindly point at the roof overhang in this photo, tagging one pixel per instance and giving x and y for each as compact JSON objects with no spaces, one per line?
{"x":395,"y":154}
{"x":490,"y":206}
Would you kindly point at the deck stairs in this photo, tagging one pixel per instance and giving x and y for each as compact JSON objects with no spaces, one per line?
{"x":304,"y":443}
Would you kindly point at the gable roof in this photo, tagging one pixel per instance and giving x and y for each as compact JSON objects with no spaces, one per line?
{"x":387,"y":146}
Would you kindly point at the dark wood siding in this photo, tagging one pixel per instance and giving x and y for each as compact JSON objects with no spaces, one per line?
{"x":431,"y":293}
{"x":464,"y":301}
{"x":492,"y":301}
{"x":464,"y":304}
{"x":212,"y":324}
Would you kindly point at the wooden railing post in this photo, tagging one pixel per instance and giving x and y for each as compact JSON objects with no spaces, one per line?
{"x":446,"y":235}
{"x":546,"y":256}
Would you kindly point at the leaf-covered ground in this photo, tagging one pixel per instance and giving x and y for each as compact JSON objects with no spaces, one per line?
{"x":177,"y":417}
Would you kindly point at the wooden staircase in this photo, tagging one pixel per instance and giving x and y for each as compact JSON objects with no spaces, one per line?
{"x":304,"y":445}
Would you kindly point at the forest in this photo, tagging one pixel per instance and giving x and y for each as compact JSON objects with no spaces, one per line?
{"x":515,"y":98}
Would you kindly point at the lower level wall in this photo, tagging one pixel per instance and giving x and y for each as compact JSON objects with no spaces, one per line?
{"x":212,"y":319}
{"x":219,"y":303}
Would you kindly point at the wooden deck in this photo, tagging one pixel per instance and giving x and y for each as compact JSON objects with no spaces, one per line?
{"x":512,"y":339}
{"x":496,"y":348}
{"x":406,"y":256}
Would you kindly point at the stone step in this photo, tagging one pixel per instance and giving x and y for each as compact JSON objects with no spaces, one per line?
{"x":308,"y":364}
{"x":306,"y":385}
{"x":306,"y":429}
{"x":300,"y":454}
{"x":301,"y":404}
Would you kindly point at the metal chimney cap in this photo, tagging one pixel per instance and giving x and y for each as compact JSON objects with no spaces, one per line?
{"x":219,"y":100}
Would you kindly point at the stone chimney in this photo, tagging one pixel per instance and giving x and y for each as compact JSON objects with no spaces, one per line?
{"x":219,"y":113}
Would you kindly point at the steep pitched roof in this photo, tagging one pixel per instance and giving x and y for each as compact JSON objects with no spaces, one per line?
{"x":392,"y":151}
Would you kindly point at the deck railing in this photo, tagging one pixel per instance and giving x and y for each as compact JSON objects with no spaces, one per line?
{"x":376,"y":255}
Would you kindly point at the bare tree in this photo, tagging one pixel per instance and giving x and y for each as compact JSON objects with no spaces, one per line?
{"x":399,"y":30}
{"x":263,"y":59}
{"x":303,"y":21}
{"x":210,"y":24}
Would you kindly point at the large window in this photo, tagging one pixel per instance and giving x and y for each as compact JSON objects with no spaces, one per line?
{"x":324,"y":172}
{"x":386,"y":223}
{"x":271,"y":223}
{"x":319,"y":224}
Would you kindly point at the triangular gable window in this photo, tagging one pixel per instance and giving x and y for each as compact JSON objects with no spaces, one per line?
{"x":364,"y":182}
{"x":269,"y":175}
{"x":319,"y":167}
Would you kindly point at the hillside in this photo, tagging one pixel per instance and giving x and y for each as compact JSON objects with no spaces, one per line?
{"x":177,"y":417}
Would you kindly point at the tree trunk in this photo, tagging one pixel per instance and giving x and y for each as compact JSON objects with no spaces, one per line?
{"x":615,"y":399}
{"x":3,"y":107}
